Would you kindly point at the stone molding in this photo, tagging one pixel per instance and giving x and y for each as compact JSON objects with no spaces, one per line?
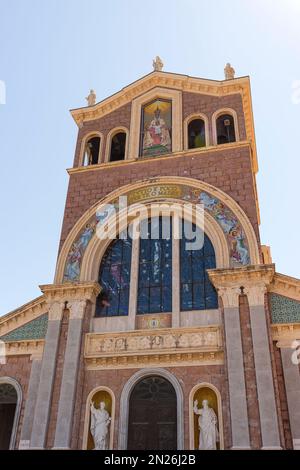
{"x":285,"y":334}
{"x":70,"y":292}
{"x":182,"y":346}
{"x":33,"y":348}
{"x":285,"y":285}
{"x":250,"y":280}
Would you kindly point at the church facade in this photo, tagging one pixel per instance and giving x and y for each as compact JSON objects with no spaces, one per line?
{"x":149,"y":342}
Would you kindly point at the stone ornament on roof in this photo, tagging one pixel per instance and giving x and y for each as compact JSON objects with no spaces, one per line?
{"x":229,"y":71}
{"x":157,"y":64}
{"x":91,"y":98}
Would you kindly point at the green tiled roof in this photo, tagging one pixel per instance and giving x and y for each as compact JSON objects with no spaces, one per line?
{"x":284,"y":310}
{"x":35,"y":329}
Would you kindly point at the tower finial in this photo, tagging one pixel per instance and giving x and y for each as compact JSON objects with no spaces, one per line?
{"x":229,"y":71}
{"x":91,"y":98}
{"x":157,"y":64}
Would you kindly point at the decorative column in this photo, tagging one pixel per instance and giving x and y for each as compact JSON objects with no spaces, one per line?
{"x":235,"y":367}
{"x":77,"y":304}
{"x":262,"y":360}
{"x":175,"y":280}
{"x":252,"y":280}
{"x":43,"y":400}
{"x":134,"y":279}
{"x":292,"y":388}
{"x":36,"y":362}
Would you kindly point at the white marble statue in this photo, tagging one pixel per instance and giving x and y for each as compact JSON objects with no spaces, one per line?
{"x":209,"y":435}
{"x":229,"y":72}
{"x":100,"y":421}
{"x":91,"y":98}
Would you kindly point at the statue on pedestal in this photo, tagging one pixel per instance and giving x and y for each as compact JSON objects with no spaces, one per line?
{"x":100,"y":421}
{"x":157,"y":64}
{"x":209,"y":434}
{"x":229,"y":72}
{"x":91,"y":98}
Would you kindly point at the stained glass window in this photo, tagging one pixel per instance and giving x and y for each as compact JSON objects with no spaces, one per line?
{"x":196,"y":290}
{"x":156,"y":128}
{"x":114,"y":278}
{"x":155,"y":268}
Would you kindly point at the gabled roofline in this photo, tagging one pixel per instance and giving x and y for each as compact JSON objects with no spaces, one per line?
{"x":179,"y":75}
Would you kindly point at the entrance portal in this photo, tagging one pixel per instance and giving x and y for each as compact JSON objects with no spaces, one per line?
{"x":153,"y":415}
{"x":8,"y":404}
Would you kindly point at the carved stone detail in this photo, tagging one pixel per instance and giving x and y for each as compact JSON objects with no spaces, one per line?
{"x":166,"y":345}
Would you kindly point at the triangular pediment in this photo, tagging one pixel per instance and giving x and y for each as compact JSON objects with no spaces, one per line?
{"x":26,"y":322}
{"x":160,"y":79}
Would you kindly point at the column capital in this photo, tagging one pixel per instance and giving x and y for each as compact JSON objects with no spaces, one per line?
{"x":230,"y":296}
{"x":71,"y":291}
{"x":255,"y":294}
{"x":55,"y":310}
{"x":77,"y":309}
{"x":254,"y":280}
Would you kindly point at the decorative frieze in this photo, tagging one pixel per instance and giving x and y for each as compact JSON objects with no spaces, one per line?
{"x":169,"y":346}
{"x":33,"y":348}
{"x":285,"y":334}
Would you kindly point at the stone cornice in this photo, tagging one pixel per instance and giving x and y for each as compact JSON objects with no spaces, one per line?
{"x":243,"y":276}
{"x":178,"y":346}
{"x":192,"y":153}
{"x":70,"y":291}
{"x":178,"y":82}
{"x":22,"y":315}
{"x":285,"y":334}
{"x":286,"y":286}
{"x":33,"y":348}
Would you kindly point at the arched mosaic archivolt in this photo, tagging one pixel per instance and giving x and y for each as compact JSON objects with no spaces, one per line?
{"x":219,"y":207}
{"x":98,"y":395}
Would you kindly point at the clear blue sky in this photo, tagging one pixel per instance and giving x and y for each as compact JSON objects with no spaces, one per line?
{"x":53,"y":51}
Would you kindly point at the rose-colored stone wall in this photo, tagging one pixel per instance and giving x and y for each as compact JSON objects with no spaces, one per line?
{"x":18,"y":368}
{"x":188,"y":377}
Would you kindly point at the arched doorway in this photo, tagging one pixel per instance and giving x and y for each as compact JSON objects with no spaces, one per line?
{"x":8,"y":414}
{"x":152,"y":420}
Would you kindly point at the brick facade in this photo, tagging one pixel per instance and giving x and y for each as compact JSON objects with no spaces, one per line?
{"x":229,"y":169}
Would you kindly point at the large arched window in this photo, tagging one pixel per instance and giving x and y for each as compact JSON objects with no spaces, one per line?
{"x":118,"y":147}
{"x":114,"y":278}
{"x":91,"y":152}
{"x":196,"y":290}
{"x":148,"y":280}
{"x":196,"y":134}
{"x":225,"y":129}
{"x":155,"y":267}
